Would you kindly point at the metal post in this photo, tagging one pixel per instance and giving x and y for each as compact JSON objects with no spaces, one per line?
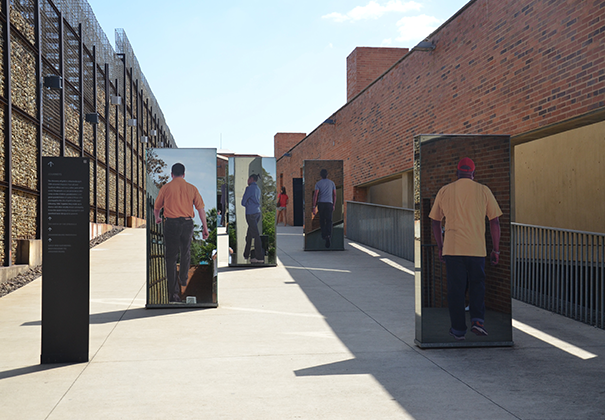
{"x":40,"y":104}
{"x":81,"y":88}
{"x":9,"y":138}
{"x":107,"y":163}
{"x":62,"y":71}
{"x":94,"y":133}
{"x":117,"y":158}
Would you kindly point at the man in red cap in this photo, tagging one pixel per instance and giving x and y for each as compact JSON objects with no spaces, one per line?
{"x":464,"y":204}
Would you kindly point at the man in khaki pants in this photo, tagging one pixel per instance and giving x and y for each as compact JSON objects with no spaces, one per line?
{"x":178,"y":198}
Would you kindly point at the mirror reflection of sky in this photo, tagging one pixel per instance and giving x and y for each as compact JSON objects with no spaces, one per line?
{"x":269,"y":165}
{"x":200,"y":169}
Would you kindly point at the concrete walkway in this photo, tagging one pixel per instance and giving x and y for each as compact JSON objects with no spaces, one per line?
{"x":325,"y":335}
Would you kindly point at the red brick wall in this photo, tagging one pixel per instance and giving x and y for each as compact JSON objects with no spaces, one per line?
{"x":282,"y":142}
{"x":365,"y":64}
{"x":491,"y":154}
{"x":499,"y":67}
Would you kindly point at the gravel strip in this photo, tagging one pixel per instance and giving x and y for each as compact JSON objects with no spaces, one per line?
{"x":35,"y":272}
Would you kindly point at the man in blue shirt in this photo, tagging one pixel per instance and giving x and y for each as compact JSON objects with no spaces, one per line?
{"x":252,"y":202}
{"x":324,"y":201}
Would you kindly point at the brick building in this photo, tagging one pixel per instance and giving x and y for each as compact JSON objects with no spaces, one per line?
{"x":534,"y":70}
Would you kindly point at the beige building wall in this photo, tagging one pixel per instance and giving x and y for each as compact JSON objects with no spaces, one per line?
{"x":559,"y":180}
{"x":398,"y":192}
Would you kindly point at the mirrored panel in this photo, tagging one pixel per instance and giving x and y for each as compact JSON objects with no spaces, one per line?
{"x":323,"y":205}
{"x":182,"y":267}
{"x":454,"y":203}
{"x":252,"y":194}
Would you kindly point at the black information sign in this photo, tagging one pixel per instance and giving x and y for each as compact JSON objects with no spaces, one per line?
{"x":66,"y":261}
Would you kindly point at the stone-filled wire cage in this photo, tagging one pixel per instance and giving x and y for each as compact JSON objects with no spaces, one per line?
{"x":65,"y":91}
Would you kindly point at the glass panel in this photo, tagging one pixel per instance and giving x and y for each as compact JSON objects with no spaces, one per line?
{"x":251,"y":221}
{"x":324,"y":224}
{"x":435,"y":165}
{"x":173,"y":279}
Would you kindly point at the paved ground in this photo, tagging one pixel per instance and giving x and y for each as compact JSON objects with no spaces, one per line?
{"x":325,"y":335}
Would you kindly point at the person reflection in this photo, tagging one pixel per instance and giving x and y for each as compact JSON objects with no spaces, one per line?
{"x":252,"y":202}
{"x":464,"y":204}
{"x":178,"y":198}
{"x":324,"y":202}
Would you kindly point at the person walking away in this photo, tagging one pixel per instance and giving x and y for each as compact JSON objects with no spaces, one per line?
{"x":282,"y":202}
{"x":178,"y":198}
{"x":324,"y":202}
{"x":252,"y":202}
{"x":464,"y":204}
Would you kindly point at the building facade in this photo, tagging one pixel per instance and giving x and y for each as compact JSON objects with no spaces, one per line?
{"x":534,"y":70}
{"x":65,"y":91}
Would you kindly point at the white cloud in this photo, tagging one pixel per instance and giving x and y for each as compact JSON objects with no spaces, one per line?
{"x":373,"y":10}
{"x":416,"y":28}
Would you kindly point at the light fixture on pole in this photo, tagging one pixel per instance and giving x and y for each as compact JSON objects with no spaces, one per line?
{"x":53,"y":82}
{"x":424,"y":46}
{"x":116,"y":100}
{"x":92,"y":118}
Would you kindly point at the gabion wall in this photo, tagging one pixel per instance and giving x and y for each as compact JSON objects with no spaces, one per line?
{"x":63,"y":38}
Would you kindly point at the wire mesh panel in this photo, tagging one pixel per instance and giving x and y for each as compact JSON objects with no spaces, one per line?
{"x":23,"y":18}
{"x":128,"y":198}
{"x":49,"y":32}
{"x":2,"y":48}
{"x":89,"y":101}
{"x":121,"y":188}
{"x":24,"y":153}
{"x":101,"y":187}
{"x":72,"y":114}
{"x":121,"y":153}
{"x":71,"y":56}
{"x":111,"y":190}
{"x":52,"y":106}
{"x":2,"y":143}
{"x":2,"y":223}
{"x":88,"y":80}
{"x":25,"y":218}
{"x":23,"y":67}
{"x":101,"y":141}
{"x":128,"y":163}
{"x":51,"y":146}
{"x":71,"y":150}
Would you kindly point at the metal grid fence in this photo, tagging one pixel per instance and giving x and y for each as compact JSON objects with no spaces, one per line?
{"x":560,"y":270}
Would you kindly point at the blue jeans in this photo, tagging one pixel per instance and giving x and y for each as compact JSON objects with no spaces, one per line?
{"x":253,"y":234}
{"x":462,"y":270}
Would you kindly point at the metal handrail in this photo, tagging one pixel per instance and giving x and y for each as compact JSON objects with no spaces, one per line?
{"x":560,"y":270}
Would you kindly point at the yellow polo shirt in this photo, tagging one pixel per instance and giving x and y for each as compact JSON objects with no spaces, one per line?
{"x":465,"y":204}
{"x":178,"y":198}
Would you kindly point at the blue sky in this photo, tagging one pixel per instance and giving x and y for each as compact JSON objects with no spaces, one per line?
{"x":200,"y":170}
{"x":231,"y":74}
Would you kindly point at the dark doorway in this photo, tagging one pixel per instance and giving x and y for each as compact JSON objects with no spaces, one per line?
{"x":297,"y":194}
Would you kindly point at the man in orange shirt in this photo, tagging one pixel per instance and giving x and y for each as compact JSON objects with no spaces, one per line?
{"x":178,"y":198}
{"x":464,"y":204}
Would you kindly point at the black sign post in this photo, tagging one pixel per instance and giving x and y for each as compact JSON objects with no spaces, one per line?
{"x":66,"y":260}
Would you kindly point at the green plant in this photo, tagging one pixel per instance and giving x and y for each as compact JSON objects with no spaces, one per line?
{"x":201,"y":250}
